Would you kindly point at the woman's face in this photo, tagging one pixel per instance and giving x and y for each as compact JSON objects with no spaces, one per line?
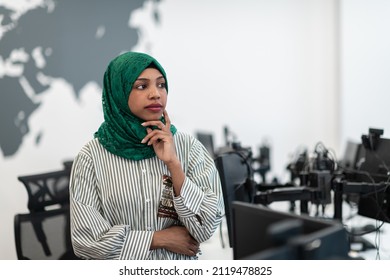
{"x":148,"y":97}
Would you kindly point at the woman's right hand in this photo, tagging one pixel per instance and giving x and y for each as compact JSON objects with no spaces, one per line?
{"x":176,"y":239}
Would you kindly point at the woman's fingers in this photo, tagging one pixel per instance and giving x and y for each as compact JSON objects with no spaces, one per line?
{"x":152,"y":136}
{"x":157,"y":135}
{"x":159,"y":123}
{"x":167,"y":120}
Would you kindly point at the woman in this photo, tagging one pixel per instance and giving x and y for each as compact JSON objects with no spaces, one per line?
{"x":141,"y":189}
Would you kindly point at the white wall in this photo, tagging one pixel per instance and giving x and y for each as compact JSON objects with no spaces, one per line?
{"x":365,"y":67}
{"x":265,"y":68}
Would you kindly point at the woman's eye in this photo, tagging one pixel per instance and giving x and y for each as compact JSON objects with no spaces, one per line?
{"x":162,"y":85}
{"x":140,"y":87}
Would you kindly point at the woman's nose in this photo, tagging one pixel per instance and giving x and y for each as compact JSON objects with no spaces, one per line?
{"x":154,"y":93}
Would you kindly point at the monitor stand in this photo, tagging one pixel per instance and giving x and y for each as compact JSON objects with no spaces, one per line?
{"x":359,"y":240}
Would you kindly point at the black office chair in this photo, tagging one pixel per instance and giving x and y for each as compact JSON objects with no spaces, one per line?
{"x":68,"y":164}
{"x":235,"y":174}
{"x":47,"y":189}
{"x":43,"y":235}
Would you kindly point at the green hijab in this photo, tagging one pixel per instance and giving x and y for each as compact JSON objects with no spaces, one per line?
{"x":121,"y":132}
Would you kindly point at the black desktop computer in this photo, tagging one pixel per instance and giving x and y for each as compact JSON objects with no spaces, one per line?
{"x":262,"y":233}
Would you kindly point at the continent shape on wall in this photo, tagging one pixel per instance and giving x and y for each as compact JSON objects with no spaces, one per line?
{"x":68,"y":39}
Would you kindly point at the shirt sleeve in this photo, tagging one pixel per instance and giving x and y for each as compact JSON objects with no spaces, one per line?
{"x":92,"y":235}
{"x":200,"y":203}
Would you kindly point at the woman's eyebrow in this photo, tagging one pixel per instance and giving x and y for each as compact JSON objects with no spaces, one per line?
{"x":142,"y":79}
{"x":147,"y":79}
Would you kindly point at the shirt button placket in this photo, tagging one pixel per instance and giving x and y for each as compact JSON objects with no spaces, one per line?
{"x":147,"y":200}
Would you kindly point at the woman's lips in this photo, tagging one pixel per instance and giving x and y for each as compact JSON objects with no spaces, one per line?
{"x":154,"y":107}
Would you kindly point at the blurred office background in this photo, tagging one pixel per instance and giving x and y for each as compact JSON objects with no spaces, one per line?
{"x":289,"y":73}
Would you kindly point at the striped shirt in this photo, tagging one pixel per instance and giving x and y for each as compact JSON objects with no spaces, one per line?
{"x":117,"y":203}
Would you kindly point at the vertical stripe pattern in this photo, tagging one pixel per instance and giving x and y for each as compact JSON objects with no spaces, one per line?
{"x":114,"y":201}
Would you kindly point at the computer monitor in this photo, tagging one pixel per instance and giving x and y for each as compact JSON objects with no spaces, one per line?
{"x":377,"y":157}
{"x":376,"y":203}
{"x":262,"y":233}
{"x":207,"y":140}
{"x":235,"y":180}
{"x":353,"y":155}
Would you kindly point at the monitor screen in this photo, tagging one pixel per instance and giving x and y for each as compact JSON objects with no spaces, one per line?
{"x":207,"y":140}
{"x":262,"y":233}
{"x":377,"y":160}
{"x":234,"y":173}
{"x":353,"y":154}
{"x":376,"y":204}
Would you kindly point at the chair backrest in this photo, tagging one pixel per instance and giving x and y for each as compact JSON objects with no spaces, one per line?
{"x":68,"y":164}
{"x":46,"y":189}
{"x":234,"y":175}
{"x":43,"y":235}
